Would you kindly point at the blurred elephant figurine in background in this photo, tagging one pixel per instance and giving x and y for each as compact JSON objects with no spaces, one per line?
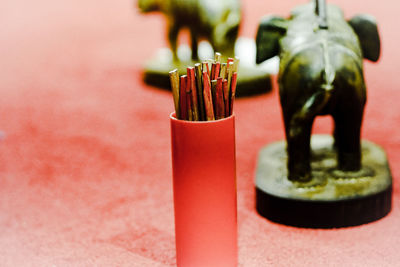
{"x":321,"y":73}
{"x":216,"y":21}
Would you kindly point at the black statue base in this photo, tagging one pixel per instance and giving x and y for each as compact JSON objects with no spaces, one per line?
{"x":252,"y":80}
{"x":333,"y":198}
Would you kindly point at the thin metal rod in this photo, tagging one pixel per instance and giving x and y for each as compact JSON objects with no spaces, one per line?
{"x":320,"y":10}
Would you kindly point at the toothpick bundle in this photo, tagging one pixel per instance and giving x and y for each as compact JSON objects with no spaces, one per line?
{"x":207,"y":91}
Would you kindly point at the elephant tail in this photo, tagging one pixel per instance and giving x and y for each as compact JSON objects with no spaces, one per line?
{"x":328,"y":74}
{"x":314,"y":105}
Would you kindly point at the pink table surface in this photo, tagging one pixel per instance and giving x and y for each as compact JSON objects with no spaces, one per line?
{"x":85,"y":156}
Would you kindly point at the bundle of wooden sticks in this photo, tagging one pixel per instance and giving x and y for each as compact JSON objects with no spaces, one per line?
{"x":204,"y":94}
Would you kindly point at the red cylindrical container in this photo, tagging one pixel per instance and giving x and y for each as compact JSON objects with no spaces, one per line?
{"x":204,"y":179}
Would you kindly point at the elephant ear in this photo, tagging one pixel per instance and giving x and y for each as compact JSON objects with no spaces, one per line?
{"x":365,"y":27}
{"x":270,"y":30}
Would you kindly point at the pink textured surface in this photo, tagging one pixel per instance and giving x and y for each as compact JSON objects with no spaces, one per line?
{"x":85,"y":161}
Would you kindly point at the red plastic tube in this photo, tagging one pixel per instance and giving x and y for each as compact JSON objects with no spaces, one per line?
{"x":204,"y":184}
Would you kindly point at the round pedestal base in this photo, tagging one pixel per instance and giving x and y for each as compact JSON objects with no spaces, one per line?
{"x":332,"y":198}
{"x":324,"y":214}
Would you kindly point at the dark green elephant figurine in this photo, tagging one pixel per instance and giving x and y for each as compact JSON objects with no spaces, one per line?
{"x":216,"y":21}
{"x":321,"y":73}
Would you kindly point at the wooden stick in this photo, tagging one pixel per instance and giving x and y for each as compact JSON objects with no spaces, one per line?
{"x":182,"y":98}
{"x":222,"y":72}
{"x":174,"y":79}
{"x":205,"y":67}
{"x":225,"y":89}
{"x":208,"y":104}
{"x":193,"y":89}
{"x":216,"y":71}
{"x":217,"y":57}
{"x":229,"y":78}
{"x":219,"y":96}
{"x":212,"y":74}
{"x":189,"y":104}
{"x":200,"y":98}
{"x":233,"y":91}
{"x":236,"y":64}
{"x":215,"y":67}
{"x":214,"y":95}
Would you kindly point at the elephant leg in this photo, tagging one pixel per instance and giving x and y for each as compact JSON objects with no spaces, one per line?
{"x":335,"y":139}
{"x":231,"y":37}
{"x":347,"y":138}
{"x":173,"y":31}
{"x":194,"y":43}
{"x":230,"y":49}
{"x":227,"y":50}
{"x":224,"y":38}
{"x":298,"y":134}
